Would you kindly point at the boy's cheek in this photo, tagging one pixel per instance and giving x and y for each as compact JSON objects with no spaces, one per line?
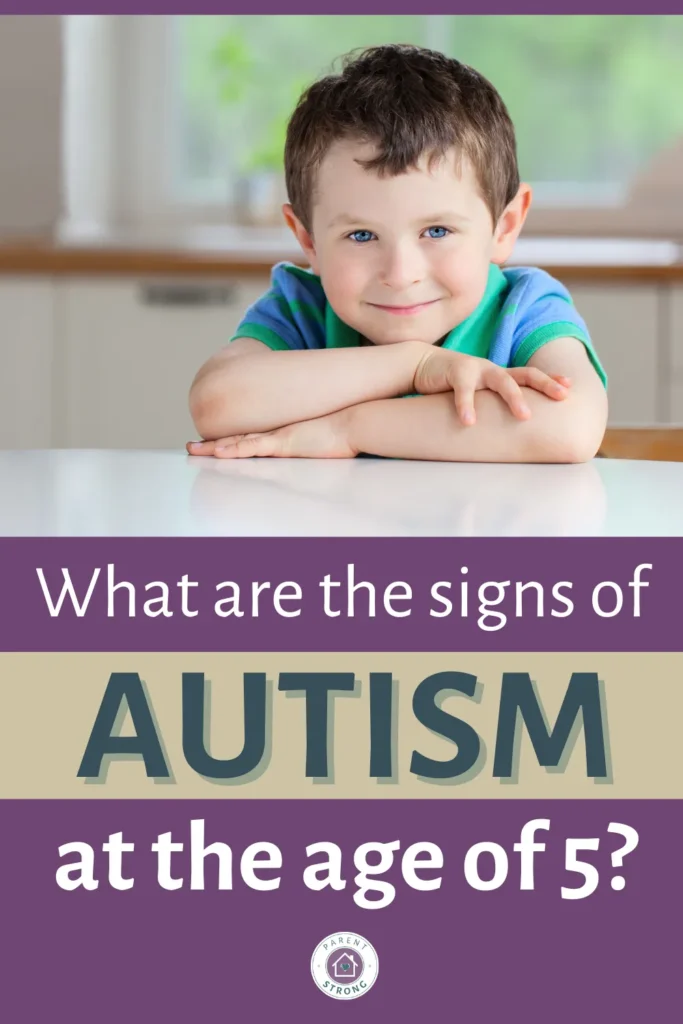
{"x":343,"y":287}
{"x":467,"y":281}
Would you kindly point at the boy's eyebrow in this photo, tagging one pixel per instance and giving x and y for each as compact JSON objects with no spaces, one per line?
{"x":441,"y":218}
{"x":434,"y":219}
{"x":345,"y":218}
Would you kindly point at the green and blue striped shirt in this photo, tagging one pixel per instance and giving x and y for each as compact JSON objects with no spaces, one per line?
{"x":522,"y":309}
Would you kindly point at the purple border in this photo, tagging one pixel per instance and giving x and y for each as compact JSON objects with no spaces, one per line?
{"x":537,"y":7}
{"x":25,"y":624}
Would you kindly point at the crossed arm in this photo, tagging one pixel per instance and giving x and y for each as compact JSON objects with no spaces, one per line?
{"x":249,"y":401}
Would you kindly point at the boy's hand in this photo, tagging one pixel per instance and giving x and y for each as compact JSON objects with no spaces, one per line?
{"x":323,"y":438}
{"x":440,"y":370}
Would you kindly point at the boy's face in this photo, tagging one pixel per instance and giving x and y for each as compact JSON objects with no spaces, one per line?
{"x":406,"y":257}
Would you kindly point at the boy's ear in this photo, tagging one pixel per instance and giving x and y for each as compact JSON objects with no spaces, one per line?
{"x":510,"y":224}
{"x":304,"y":239}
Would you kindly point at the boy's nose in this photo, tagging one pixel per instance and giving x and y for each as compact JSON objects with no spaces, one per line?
{"x":401,"y":268}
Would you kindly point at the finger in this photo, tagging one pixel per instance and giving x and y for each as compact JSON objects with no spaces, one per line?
{"x":200,"y":447}
{"x":247,"y":446}
{"x":532,"y":377}
{"x":463,"y":393}
{"x":506,"y":386}
{"x":560,"y":378}
{"x":553,"y":387}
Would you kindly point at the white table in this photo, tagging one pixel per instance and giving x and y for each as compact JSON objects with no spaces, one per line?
{"x":148,"y":493}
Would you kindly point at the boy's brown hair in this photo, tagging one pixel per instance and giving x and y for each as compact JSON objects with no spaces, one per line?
{"x":408,"y":102}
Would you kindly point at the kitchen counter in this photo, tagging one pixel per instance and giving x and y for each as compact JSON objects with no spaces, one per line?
{"x":232,"y":250}
{"x":167,"y":493}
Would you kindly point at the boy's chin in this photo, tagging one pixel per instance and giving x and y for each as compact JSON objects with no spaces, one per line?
{"x":394,"y":330}
{"x":399,"y":337}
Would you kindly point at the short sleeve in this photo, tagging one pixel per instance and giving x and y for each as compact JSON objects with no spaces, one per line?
{"x":290,"y":315}
{"x":538,"y":309}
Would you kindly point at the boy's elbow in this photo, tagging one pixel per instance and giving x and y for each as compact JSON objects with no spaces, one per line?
{"x":582,"y":448}
{"x":217,"y":399}
{"x":212,"y":411}
{"x":201,"y":414}
{"x":580,"y":435}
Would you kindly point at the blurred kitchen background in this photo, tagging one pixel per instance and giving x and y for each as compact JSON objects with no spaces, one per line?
{"x":141,"y":184}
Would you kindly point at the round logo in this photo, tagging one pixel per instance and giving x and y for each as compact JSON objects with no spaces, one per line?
{"x":344,"y":965}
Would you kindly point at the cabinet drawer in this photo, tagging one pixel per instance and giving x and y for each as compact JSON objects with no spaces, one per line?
{"x":677,"y":401}
{"x":676,"y":327}
{"x":623,"y":321}
{"x":131,"y":350}
{"x":26,"y":354}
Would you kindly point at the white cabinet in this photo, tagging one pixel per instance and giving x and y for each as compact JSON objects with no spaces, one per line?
{"x":129,"y":352}
{"x":676,"y":353}
{"x":26,"y":362}
{"x":676,"y":350}
{"x":107,"y":363}
{"x":676,"y":327}
{"x":676,"y":416}
{"x":623,"y":323}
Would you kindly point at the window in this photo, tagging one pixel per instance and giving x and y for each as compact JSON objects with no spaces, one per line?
{"x":594,"y":100}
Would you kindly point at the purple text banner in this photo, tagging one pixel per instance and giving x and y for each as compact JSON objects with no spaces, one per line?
{"x":456,"y":952}
{"x":312,"y":594}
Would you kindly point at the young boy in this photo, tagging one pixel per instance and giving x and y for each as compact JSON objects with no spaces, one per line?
{"x":405,"y":197}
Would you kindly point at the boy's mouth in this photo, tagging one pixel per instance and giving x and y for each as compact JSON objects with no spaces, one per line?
{"x":404,"y":310}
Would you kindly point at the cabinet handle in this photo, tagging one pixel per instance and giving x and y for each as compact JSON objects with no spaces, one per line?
{"x":188,"y":293}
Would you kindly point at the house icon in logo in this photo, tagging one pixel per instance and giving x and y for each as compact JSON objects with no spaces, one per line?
{"x":345,"y":967}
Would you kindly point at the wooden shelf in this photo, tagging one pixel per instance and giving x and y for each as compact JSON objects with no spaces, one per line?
{"x":47,"y":259}
{"x":656,"y":444}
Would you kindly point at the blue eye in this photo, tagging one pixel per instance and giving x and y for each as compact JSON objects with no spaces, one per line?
{"x":361,"y":236}
{"x":438,"y":232}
